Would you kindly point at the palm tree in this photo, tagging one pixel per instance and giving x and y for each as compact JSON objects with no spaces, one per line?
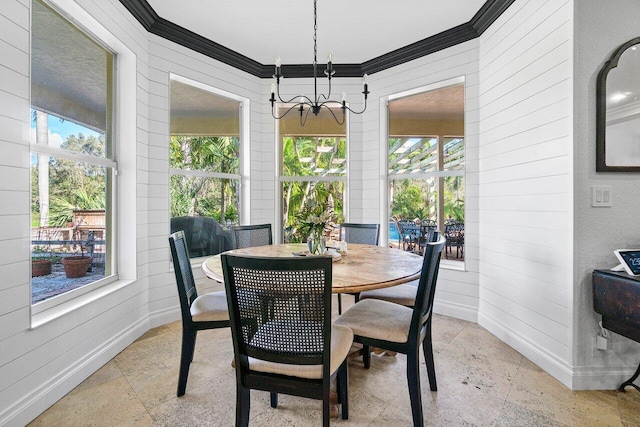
{"x":42,"y":138}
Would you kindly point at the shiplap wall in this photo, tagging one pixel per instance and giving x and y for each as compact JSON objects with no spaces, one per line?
{"x":525,"y":163}
{"x":39,"y":365}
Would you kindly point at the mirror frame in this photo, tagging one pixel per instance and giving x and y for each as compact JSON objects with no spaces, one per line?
{"x":601,"y":111}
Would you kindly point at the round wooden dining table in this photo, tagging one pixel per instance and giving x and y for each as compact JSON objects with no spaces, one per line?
{"x":364,"y":267}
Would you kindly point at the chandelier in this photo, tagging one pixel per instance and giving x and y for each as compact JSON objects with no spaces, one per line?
{"x":304,"y":105}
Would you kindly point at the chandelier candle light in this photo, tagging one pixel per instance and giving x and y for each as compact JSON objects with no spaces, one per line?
{"x":305,"y":104}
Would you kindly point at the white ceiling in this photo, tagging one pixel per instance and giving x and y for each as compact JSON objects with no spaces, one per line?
{"x":354,"y":30}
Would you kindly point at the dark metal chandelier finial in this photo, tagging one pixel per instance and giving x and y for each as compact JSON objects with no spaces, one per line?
{"x":305,"y":104}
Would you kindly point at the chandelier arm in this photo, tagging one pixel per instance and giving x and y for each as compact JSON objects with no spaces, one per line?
{"x":303,"y":122}
{"x":286,"y":112}
{"x":357,"y":112}
{"x":333,"y":114}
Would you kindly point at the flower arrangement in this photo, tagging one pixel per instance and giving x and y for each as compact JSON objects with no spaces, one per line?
{"x":316,"y":221}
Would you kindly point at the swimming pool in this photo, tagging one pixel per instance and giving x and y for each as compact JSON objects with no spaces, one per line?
{"x":393,"y":232}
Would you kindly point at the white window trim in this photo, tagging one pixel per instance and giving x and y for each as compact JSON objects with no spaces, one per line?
{"x":124,"y":129}
{"x":385,"y":178}
{"x":244,"y":198}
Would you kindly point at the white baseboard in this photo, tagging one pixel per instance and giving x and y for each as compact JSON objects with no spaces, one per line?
{"x":554,"y":366}
{"x":164,"y":316}
{"x":458,"y":311}
{"x":36,"y":402}
{"x":601,"y":377}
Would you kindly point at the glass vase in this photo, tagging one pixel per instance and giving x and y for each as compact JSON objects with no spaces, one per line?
{"x":316,"y":243}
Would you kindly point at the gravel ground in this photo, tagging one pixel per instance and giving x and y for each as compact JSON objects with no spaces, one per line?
{"x":56,"y":283}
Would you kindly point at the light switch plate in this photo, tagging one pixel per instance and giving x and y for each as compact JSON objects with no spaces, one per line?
{"x":601,"y":196}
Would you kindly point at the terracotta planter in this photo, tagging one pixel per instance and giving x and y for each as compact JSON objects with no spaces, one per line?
{"x":76,"y":266}
{"x":40,"y":267}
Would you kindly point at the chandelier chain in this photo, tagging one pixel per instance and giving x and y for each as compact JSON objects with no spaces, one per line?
{"x":315,"y":32}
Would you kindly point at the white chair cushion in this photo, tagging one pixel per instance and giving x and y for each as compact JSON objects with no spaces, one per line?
{"x":378,"y":319}
{"x":404,"y":294}
{"x":210,"y":307}
{"x":341,"y":340}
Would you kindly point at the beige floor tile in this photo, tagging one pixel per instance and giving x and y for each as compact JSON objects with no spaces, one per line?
{"x":107,"y":404}
{"x":108,"y":372}
{"x":481,"y":382}
{"x":629,"y":406}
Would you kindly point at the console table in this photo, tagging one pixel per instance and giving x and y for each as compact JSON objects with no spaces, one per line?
{"x":616,"y":296}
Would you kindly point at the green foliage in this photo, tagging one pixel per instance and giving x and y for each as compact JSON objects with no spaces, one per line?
{"x":72,"y":185}
{"x":201,"y":196}
{"x":410,"y":200}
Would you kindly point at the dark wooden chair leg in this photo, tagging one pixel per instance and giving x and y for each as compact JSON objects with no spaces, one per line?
{"x":243,"y":405}
{"x":427,"y":349}
{"x":366,"y":356}
{"x":413,"y":379}
{"x":186,"y":356}
{"x":274,"y":400}
{"x":326,"y":407}
{"x":343,"y":389}
{"x":339,"y":303}
{"x":631,"y":380}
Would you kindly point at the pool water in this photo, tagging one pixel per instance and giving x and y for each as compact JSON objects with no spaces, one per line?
{"x":393,"y":232}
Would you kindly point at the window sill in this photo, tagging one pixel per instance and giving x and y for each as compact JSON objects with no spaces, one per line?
{"x":62,"y":309}
{"x":452,"y":265}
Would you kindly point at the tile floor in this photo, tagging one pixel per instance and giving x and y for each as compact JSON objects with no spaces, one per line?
{"x":481,"y":381}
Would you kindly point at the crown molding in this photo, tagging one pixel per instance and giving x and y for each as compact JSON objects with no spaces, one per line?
{"x":149,"y":19}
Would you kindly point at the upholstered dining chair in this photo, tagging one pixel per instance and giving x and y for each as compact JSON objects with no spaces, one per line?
{"x":283,"y":337}
{"x":252,"y":235}
{"x":404,"y":294}
{"x":366,"y":234}
{"x":394,"y":327}
{"x":207,"y":311}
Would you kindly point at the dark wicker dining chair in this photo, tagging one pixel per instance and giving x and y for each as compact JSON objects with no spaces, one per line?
{"x":366,"y":234}
{"x":207,"y":311}
{"x":391,"y":326}
{"x":283,"y":337}
{"x":246,"y":236}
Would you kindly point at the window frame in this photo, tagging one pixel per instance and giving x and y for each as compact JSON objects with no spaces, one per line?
{"x":244,"y":187}
{"x":281,"y":179}
{"x":109,"y":162}
{"x":384,"y":159}
{"x":124,"y":256}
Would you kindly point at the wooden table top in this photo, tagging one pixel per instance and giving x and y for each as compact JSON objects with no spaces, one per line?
{"x":363,"y":268}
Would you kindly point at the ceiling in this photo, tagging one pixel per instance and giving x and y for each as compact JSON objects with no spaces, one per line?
{"x":365,"y":36}
{"x":355,"y":30}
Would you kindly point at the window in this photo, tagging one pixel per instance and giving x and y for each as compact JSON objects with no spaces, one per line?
{"x":313,"y":169}
{"x":426,"y":168}
{"x":73,"y":158}
{"x":205,"y":166}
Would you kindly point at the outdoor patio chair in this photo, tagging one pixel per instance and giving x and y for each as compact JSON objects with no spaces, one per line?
{"x":205,"y":236}
{"x":207,"y":311}
{"x":252,"y":235}
{"x":283,"y":337}
{"x":390,"y":326}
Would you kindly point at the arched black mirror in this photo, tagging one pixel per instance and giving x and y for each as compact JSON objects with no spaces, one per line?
{"x":618,"y":111}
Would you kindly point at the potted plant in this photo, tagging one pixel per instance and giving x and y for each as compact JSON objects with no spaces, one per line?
{"x":40,"y":262}
{"x":40,"y":266}
{"x":77,"y":265}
